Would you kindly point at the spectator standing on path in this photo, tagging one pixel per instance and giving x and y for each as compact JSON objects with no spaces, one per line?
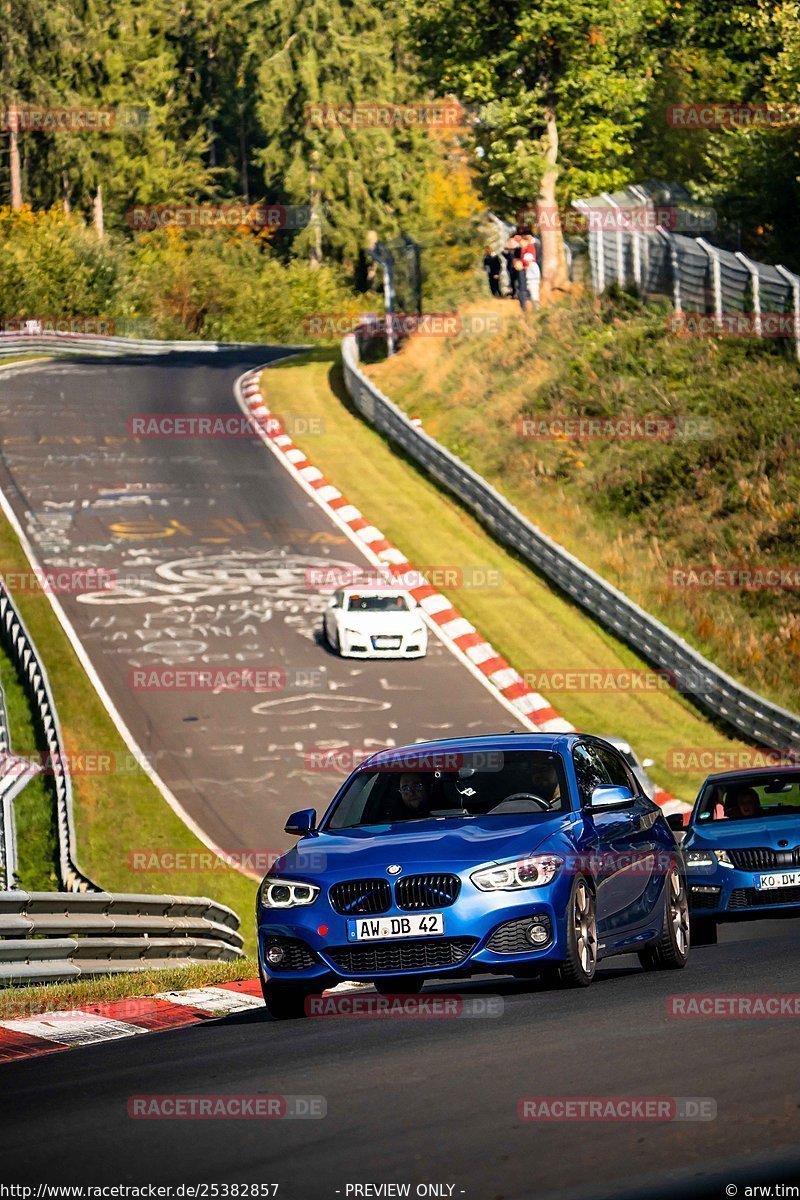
{"x":532,"y":273}
{"x":522,"y":280}
{"x":508,"y":254}
{"x":491,"y":265}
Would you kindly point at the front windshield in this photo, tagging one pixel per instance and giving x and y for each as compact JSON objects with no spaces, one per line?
{"x":749,"y":797}
{"x":377,"y":604}
{"x":456,"y":786}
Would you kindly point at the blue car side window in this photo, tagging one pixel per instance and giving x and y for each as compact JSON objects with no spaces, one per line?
{"x":589,"y":771}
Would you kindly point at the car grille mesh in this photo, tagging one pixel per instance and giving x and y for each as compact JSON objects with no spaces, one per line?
{"x":389,"y":957}
{"x":512,"y":936}
{"x":761,"y":858}
{"x":754,"y":898}
{"x":361,"y":897}
{"x":418,"y":892}
{"x":297,"y":956}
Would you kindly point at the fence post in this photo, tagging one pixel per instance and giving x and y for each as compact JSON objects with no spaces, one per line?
{"x":716,"y":278}
{"x":794,"y":284}
{"x":676,"y":270}
{"x":753,"y":272}
{"x":620,"y":244}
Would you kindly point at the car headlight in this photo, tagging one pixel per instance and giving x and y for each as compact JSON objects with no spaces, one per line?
{"x":536,"y":871}
{"x":287,"y":893}
{"x":707,"y":860}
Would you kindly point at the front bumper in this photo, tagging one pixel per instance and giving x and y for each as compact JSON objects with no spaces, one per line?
{"x":483,"y":931}
{"x":411,"y":646}
{"x":731,"y":894}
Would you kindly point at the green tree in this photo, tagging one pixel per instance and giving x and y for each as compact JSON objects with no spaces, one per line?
{"x":337,"y":52}
{"x":559,"y":87}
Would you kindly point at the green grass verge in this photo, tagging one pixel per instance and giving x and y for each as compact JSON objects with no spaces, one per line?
{"x":34,"y":807}
{"x":47,"y":997}
{"x":524,"y":618}
{"x":634,"y":510}
{"x":114,"y":813}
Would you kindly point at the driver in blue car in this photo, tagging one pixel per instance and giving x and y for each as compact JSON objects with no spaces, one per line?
{"x":742,"y":805}
{"x":415,"y":795}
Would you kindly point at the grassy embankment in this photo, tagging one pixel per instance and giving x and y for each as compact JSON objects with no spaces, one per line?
{"x":634,"y":510}
{"x":524,"y":618}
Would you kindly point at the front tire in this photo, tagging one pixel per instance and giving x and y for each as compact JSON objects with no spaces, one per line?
{"x":581,"y":962}
{"x":397,"y":985}
{"x":284,"y":1001}
{"x":670,"y":950}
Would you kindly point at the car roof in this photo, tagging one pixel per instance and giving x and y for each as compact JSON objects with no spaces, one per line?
{"x":556,"y":743}
{"x":750,"y":772}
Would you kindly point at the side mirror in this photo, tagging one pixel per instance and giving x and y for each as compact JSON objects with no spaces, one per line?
{"x":301,"y":822}
{"x":609,"y":796}
{"x":676,"y":822}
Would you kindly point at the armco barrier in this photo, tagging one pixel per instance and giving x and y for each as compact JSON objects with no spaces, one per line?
{"x":21,"y":650}
{"x":57,"y":935}
{"x":755,"y":718}
{"x":86,"y":343}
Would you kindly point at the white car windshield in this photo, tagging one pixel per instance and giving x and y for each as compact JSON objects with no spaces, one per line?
{"x":390,"y":603}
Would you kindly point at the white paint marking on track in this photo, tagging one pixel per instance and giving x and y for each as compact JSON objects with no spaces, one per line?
{"x":72,"y":1028}
{"x":213,"y":1000}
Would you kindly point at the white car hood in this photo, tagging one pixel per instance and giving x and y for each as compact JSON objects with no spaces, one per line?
{"x":368,"y":623}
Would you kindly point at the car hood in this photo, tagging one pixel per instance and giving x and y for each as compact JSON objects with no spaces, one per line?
{"x":381,"y":622}
{"x":735,"y":835}
{"x":434,"y":845}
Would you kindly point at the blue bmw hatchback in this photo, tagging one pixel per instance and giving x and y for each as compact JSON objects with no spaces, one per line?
{"x":742,"y":848}
{"x":509,"y":854}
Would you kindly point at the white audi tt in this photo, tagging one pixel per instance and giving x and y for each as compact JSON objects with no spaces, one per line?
{"x":375,"y":623}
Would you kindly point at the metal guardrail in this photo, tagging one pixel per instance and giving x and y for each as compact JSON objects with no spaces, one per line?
{"x":22,"y":652}
{"x":59,"y":935}
{"x":631,"y":250}
{"x":757,"y":719}
{"x":86,"y":343}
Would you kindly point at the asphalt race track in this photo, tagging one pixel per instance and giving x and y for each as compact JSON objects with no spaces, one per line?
{"x":213,"y":547}
{"x":435,"y":1100}
{"x":214,"y":541}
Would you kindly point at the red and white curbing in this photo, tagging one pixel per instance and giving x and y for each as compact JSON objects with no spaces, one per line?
{"x":458,"y":634}
{"x":47,"y":1032}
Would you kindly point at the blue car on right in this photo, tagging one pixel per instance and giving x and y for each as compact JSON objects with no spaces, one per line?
{"x":742,"y":849}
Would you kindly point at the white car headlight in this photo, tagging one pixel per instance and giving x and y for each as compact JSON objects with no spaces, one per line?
{"x":286,"y":893}
{"x":707,"y":860}
{"x":536,"y":871}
